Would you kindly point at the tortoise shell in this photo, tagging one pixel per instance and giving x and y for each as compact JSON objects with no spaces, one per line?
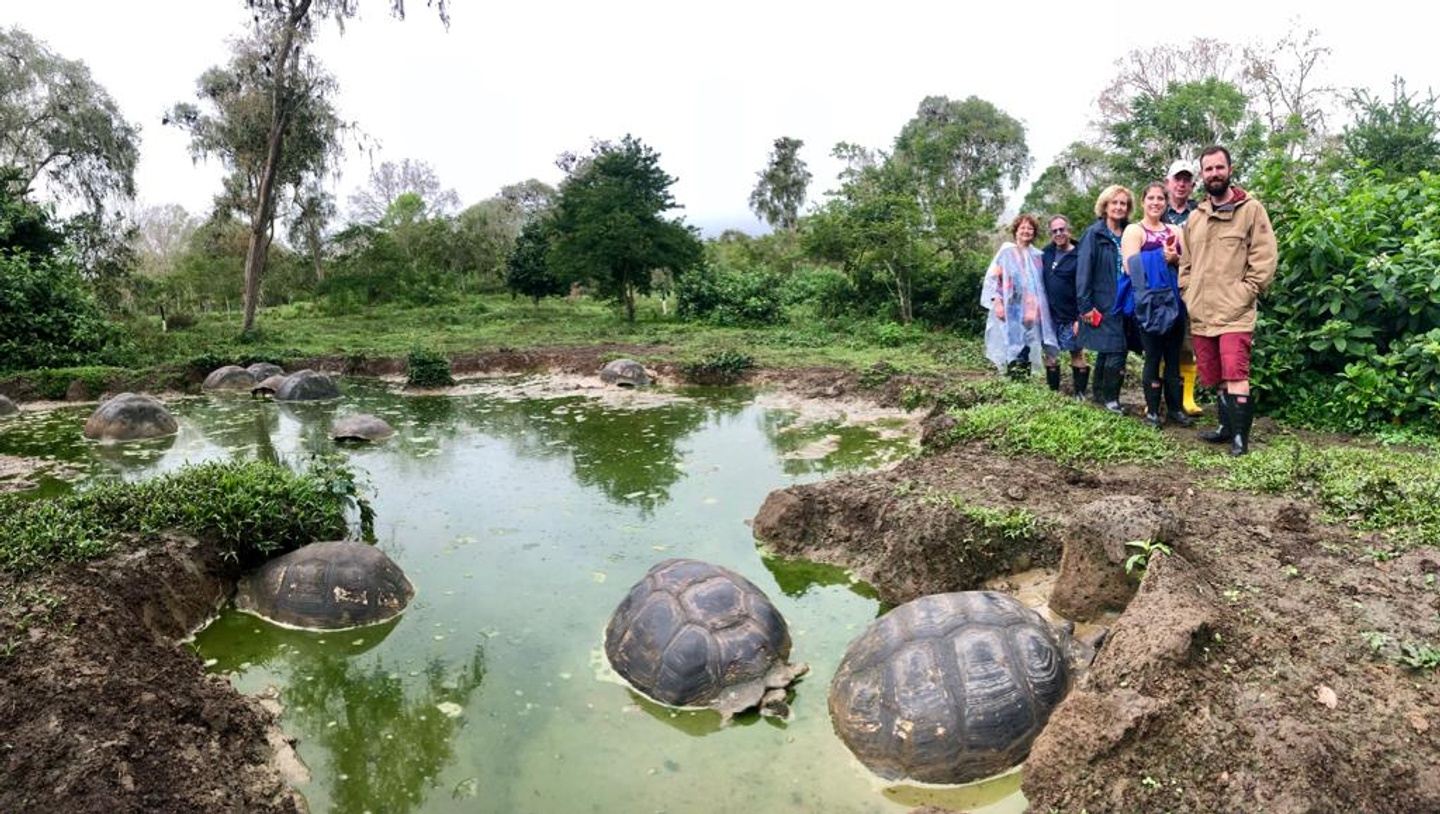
{"x":625,"y":373}
{"x":327,"y":586}
{"x":307,"y":385}
{"x":363,"y":427}
{"x":264,"y":370}
{"x":130,"y":417}
{"x":229,"y":377}
{"x":268,"y":386}
{"x":692,"y":634}
{"x":949,"y":688}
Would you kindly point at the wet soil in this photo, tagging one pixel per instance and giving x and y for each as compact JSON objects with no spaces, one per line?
{"x":1240,"y":677}
{"x":102,"y":710}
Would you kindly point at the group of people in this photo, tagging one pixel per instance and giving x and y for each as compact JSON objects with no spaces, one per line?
{"x":1179,"y":285}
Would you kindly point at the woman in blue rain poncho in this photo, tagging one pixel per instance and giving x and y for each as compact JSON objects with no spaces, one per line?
{"x":1019,"y":328}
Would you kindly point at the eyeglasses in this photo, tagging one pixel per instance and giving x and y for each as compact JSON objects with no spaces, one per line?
{"x":1059,"y":230}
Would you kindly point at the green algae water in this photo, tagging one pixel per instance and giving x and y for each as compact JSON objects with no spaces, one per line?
{"x":522,"y":522}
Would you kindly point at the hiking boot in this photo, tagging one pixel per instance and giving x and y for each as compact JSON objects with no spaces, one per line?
{"x":1180,"y":418}
{"x":1223,"y":433}
{"x":1242,"y":414}
{"x":1154,"y":420}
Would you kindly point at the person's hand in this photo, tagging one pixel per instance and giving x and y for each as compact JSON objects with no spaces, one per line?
{"x":1172,"y":250}
{"x":1093,"y":317}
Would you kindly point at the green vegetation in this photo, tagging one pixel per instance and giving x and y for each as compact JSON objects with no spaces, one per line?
{"x":1012,"y":524}
{"x":1418,"y":656}
{"x":1147,"y":551}
{"x":1020,"y":418}
{"x":252,"y":510}
{"x":426,"y":368}
{"x":718,"y":367}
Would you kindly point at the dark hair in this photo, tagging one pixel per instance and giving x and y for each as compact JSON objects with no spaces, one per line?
{"x":1021,"y":218}
{"x":1212,"y":150}
{"x":1160,"y":185}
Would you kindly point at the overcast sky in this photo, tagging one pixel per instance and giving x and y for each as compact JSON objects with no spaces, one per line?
{"x":512,"y":84}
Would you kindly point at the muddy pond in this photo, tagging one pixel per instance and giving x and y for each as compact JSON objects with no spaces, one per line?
{"x":522,"y":515}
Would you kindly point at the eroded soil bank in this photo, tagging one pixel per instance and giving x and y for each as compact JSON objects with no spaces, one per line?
{"x":1239,"y":678}
{"x":102,"y":709}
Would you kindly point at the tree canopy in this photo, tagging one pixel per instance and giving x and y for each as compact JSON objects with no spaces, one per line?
{"x":780,"y":192}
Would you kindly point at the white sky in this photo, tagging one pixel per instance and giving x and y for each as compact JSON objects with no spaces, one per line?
{"x":512,"y":84}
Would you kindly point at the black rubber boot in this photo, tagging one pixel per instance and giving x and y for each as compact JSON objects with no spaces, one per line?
{"x":1223,"y":433}
{"x":1174,"y":407}
{"x":1081,"y":378}
{"x":1018,"y":370}
{"x":1111,"y":377}
{"x":1052,"y":377}
{"x":1152,"y":405}
{"x":1242,"y":414}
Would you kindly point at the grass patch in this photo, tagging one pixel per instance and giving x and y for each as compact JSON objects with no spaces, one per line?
{"x":426,"y":368}
{"x":1391,"y":490}
{"x":1021,"y":418}
{"x":253,"y":510}
{"x":725,"y":366}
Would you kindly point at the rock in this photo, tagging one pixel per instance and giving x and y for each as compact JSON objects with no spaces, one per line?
{"x":1092,"y":567}
{"x":130,"y":417}
{"x":229,"y":377}
{"x":7,"y":407}
{"x":307,"y":385}
{"x":935,"y":431}
{"x":362,"y":427}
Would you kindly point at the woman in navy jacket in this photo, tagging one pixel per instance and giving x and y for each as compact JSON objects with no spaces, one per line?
{"x":1102,"y":326}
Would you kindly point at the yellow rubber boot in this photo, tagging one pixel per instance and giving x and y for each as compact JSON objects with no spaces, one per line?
{"x":1187,"y":378}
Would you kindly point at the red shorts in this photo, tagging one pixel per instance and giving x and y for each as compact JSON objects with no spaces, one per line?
{"x":1223,"y":358}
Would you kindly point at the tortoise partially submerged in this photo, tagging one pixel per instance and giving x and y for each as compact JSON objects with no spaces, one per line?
{"x":307,"y":385}
{"x":229,"y":377}
{"x":363,"y":427}
{"x":327,"y":586}
{"x":264,"y":370}
{"x":130,"y":417}
{"x":7,"y":407}
{"x":625,"y":373}
{"x":950,"y":688}
{"x":268,"y":386}
{"x":692,"y":634}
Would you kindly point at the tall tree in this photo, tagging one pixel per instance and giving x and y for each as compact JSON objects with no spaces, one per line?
{"x":963,"y":153}
{"x":527,"y":271}
{"x":311,"y":211}
{"x":390,"y":180}
{"x":609,"y":225}
{"x":780,"y":192}
{"x":1399,"y":137}
{"x":1182,"y":121}
{"x":285,"y":92}
{"x":59,"y":126}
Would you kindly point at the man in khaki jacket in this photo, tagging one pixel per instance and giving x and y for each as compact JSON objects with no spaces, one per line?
{"x":1227,"y":261}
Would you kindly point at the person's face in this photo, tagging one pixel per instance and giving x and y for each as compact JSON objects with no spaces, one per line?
{"x":1215,"y":171}
{"x":1060,"y":232}
{"x":1025,"y":232}
{"x":1119,"y":207}
{"x":1154,"y":202}
{"x":1180,"y":185}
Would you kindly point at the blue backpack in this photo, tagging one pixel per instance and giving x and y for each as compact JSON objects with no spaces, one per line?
{"x":1155,"y":290}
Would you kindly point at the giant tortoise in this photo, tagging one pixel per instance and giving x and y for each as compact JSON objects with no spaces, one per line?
{"x":625,"y":373}
{"x":361,"y":427}
{"x":264,"y":370}
{"x":229,"y":377}
{"x":130,"y":417}
{"x":326,"y":586}
{"x":949,"y":688}
{"x":692,"y":634}
{"x":267,"y":386}
{"x":307,"y":385}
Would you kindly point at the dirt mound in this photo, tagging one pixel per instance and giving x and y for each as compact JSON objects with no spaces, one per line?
{"x":102,"y":710}
{"x":1256,"y":668}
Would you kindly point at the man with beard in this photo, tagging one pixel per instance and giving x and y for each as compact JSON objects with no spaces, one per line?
{"x":1228,"y":261}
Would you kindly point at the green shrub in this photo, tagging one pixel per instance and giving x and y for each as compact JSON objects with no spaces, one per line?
{"x":718,"y":367}
{"x":252,"y":510}
{"x":428,"y":369}
{"x":723,"y":295}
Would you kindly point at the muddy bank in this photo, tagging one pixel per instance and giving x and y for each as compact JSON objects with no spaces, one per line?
{"x":1240,"y":677}
{"x":102,"y":709}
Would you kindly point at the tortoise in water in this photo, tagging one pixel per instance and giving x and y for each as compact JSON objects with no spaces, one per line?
{"x":264,"y":370}
{"x":268,"y":386}
{"x":327,"y":586}
{"x":130,"y":417}
{"x":950,"y":688}
{"x":229,"y":377}
{"x":7,"y":407}
{"x":307,"y":385}
{"x":625,"y":373}
{"x":361,"y":428}
{"x":692,"y":634}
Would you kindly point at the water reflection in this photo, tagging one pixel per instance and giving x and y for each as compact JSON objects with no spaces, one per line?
{"x":797,"y":577}
{"x":832,"y":445}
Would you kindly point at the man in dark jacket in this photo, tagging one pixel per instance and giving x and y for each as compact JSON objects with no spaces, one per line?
{"x":1060,"y":259}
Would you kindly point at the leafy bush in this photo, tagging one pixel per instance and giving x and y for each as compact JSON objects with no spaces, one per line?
{"x":723,"y":295}
{"x":48,"y":318}
{"x":253,"y":510}
{"x":428,"y":369}
{"x":824,"y":290}
{"x":54,"y":383}
{"x":718,"y":367}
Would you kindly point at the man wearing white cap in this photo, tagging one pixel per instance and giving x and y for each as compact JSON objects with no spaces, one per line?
{"x":1179,"y":183}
